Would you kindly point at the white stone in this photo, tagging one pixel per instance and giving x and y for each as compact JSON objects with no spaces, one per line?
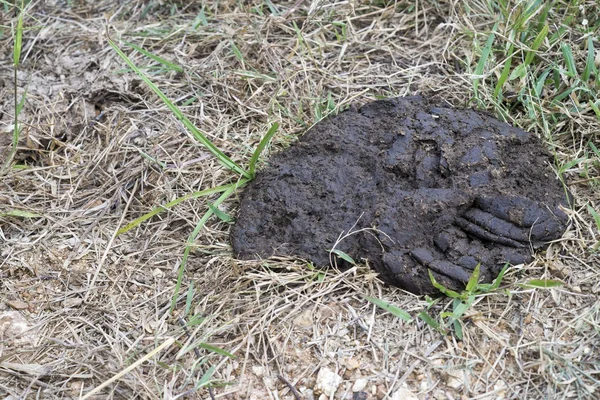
{"x":360,"y":384}
{"x":404,"y":394}
{"x":455,"y":379}
{"x":327,"y":381}
{"x":454,"y":383}
{"x":157,"y":273}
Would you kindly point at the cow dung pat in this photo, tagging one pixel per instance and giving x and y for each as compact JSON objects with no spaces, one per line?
{"x":409,"y":185}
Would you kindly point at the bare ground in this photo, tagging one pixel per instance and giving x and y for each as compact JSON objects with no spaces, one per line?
{"x":98,"y":149}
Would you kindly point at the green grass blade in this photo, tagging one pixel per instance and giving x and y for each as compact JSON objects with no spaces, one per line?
{"x":216,"y":350}
{"x":196,"y":320}
{"x":330,"y":103}
{"x":536,"y":45}
{"x":543,"y":17}
{"x":344,"y":256}
{"x":565,"y":94}
{"x":159,"y":209}
{"x":504,"y":75}
{"x":19,"y":214}
{"x":567,"y":166}
{"x":594,"y":107}
{"x":21,"y":103}
{"x":473,"y":280}
{"x":272,"y":7}
{"x":519,"y":72}
{"x":18,"y":43}
{"x":153,"y":159}
{"x":594,"y":215}
{"x":169,"y":65}
{"x":569,"y":60}
{"x":541,"y":82}
{"x":190,"y":242}
{"x":15,"y":136}
{"x":484,"y":56}
{"x":496,"y":283}
{"x":530,"y":11}
{"x":395,"y":311}
{"x":200,"y":19}
{"x":430,"y":321}
{"x":542,"y":283}
{"x":458,"y":330}
{"x":595,"y":150}
{"x":442,"y":288}
{"x":238,"y":54}
{"x":255,"y":75}
{"x":261,"y":146}
{"x":206,"y":346}
{"x":206,"y":378}
{"x":17,"y":47}
{"x":589,"y":62}
{"x":198,"y":135}
{"x":223,"y":216}
{"x":460,"y":307}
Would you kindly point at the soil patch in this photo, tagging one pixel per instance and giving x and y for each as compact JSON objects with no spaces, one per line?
{"x":407,"y":184}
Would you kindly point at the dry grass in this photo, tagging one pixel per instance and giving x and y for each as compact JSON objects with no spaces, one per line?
{"x":101,"y":150}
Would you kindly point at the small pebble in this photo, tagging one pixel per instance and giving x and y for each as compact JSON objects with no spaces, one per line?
{"x":359,"y":385}
{"x":327,"y":381}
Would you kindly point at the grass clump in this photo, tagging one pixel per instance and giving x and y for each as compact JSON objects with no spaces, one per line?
{"x":527,"y":63}
{"x":452,"y":322}
{"x":447,"y":321}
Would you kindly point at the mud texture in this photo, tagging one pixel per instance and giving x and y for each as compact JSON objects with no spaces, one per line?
{"x":408,"y":185}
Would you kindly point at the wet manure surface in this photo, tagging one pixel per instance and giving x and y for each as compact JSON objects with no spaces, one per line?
{"x":409,"y":185}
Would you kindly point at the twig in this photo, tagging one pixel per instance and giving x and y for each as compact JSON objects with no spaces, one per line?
{"x":295,"y":392}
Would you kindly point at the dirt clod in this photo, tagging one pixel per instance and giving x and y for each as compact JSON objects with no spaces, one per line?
{"x":409,"y":185}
